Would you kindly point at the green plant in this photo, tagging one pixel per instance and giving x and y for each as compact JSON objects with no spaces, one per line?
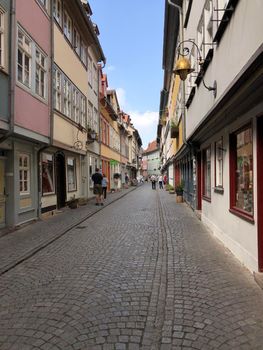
{"x":179,"y":188}
{"x":173,"y":123}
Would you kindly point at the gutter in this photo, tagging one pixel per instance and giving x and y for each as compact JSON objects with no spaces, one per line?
{"x":12,"y":75}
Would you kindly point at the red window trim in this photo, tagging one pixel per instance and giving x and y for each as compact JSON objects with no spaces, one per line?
{"x":216,"y":186}
{"x":232,"y":169}
{"x":204,"y":196}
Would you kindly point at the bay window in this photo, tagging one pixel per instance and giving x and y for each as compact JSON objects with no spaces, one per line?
{"x":2,"y":39}
{"x":57,"y":11}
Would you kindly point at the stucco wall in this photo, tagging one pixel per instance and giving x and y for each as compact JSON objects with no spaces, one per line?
{"x":241,"y":39}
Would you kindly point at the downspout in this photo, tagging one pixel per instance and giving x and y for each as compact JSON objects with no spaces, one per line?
{"x":12,"y":75}
{"x":51,"y":115}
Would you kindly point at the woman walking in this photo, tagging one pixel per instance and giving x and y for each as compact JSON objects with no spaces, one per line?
{"x":104,"y":186}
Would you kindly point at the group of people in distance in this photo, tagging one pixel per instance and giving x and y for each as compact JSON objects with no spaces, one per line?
{"x":161,"y":180}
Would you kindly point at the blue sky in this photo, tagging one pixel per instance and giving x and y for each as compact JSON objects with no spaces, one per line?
{"x":131,"y":35}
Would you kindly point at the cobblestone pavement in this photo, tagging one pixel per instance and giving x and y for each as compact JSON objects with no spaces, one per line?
{"x":143,"y":273}
{"x":22,"y":243}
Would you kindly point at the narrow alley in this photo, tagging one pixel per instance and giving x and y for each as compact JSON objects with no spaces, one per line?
{"x":141,"y":273}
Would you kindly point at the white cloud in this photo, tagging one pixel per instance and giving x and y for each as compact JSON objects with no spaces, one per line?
{"x":110,"y":68}
{"x":145,"y":122}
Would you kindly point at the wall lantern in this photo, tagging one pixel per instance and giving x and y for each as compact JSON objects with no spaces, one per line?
{"x":92,"y":136}
{"x":183,"y":65}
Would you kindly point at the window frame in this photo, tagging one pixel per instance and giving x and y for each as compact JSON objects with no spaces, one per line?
{"x":24,"y":54}
{"x":3,"y":39}
{"x":44,"y":4}
{"x":67,"y":29}
{"x":22,"y":168}
{"x":233,"y":170}
{"x":43,"y":69}
{"x":74,"y":174}
{"x":53,"y":173}
{"x":219,"y":187}
{"x":205,"y":194}
{"x":57,"y":12}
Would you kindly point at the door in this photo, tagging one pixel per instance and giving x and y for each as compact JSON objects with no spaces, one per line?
{"x":60,"y":180}
{"x":260,"y":191}
{"x":2,"y":193}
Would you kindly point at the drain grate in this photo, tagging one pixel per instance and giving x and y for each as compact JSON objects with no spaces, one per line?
{"x":81,"y":227}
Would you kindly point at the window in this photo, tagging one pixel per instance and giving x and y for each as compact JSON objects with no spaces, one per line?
{"x":90,"y":116}
{"x":57,"y":11}
{"x":2,"y":38}
{"x":219,"y":163}
{"x":95,"y":79}
{"x":75,"y":105}
{"x":83,"y":53}
{"x":207,"y":173}
{"x":40,"y":82}
{"x":24,"y":54}
{"x":89,"y":70}
{"x":24,"y":174}
{"x":71,"y":174}
{"x":44,"y":3}
{"x":76,"y":40}
{"x":47,"y":173}
{"x":31,"y":62}
{"x":58,"y":90}
{"x":241,"y":172}
{"x":67,"y":97}
{"x":69,"y":100}
{"x":95,"y":120}
{"x":83,"y":110}
{"x":67,"y":26}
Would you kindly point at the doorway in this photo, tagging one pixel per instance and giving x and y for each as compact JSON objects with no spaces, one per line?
{"x":60,"y":179}
{"x":260,"y":191}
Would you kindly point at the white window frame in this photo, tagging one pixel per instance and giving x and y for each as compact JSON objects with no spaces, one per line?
{"x":83,"y":110}
{"x":58,"y":89}
{"x":76,"y":105}
{"x":83,"y":53}
{"x":26,"y":53}
{"x":3,"y":46}
{"x":89,"y":70}
{"x":95,"y":78}
{"x":53,"y":172}
{"x":219,"y":163}
{"x":90,"y":115}
{"x":24,"y":170}
{"x":74,"y":183}
{"x":41,"y":70}
{"x":67,"y":97}
{"x":44,"y":4}
{"x":68,"y":26}
{"x":57,"y":11}
{"x":76,"y":41}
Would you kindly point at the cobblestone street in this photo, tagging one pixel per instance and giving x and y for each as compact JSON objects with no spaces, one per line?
{"x":142,"y":273}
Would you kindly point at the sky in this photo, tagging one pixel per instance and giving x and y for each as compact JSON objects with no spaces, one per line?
{"x":131,"y":36}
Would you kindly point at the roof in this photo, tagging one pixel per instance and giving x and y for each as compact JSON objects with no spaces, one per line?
{"x":152,"y":146}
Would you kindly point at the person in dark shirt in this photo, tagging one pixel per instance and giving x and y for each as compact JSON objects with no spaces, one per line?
{"x":97,"y":188}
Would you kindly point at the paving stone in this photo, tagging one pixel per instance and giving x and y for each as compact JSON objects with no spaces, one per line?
{"x":141,"y":274}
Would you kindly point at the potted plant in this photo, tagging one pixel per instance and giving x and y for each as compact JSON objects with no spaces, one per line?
{"x":73,"y":203}
{"x":171,"y":190}
{"x":174,"y":129}
{"x":179,"y":190}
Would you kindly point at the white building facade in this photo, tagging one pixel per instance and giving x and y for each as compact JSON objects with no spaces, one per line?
{"x":224,"y":120}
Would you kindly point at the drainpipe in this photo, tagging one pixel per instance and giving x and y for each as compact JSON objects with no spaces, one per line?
{"x":12,"y":75}
{"x":51,"y":115}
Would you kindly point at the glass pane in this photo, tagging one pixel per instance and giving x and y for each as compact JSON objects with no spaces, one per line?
{"x":244,"y":171}
{"x":25,"y":162}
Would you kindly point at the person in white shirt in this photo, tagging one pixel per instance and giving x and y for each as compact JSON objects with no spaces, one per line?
{"x":160,"y":179}
{"x":153,"y":179}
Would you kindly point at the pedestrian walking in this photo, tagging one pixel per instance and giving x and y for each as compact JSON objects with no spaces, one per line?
{"x":97,"y":188}
{"x":126,"y":180}
{"x":165,"y":179}
{"x":153,"y":179}
{"x":160,"y":179}
{"x":104,"y":184}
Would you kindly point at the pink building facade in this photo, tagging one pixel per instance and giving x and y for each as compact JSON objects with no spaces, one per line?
{"x":30,"y":108}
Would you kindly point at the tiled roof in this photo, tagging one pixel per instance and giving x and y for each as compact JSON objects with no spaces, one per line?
{"x":152,"y":146}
